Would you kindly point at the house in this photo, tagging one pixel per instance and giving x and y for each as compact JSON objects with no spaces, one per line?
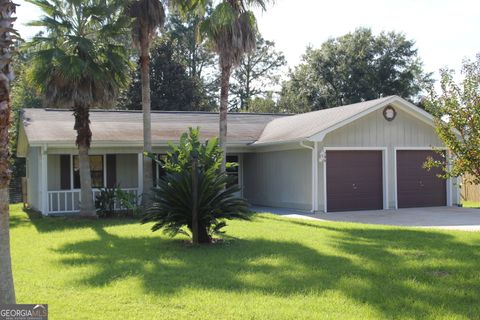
{"x":363,"y":156}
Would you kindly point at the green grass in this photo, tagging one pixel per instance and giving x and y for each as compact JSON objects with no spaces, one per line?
{"x":270,"y":268}
{"x":470,"y":204}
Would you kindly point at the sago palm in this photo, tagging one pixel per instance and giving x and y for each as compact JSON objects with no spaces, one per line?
{"x":7,"y":9}
{"x":231,"y":30}
{"x":80,"y":62}
{"x":214,"y":201}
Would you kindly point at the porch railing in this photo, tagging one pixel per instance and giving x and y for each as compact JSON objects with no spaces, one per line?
{"x":68,"y":201}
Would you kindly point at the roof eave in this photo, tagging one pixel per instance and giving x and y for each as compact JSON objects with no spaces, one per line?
{"x":273,"y":143}
{"x":116,"y":143}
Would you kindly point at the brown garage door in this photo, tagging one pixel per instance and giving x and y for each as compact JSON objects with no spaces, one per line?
{"x":354,"y":180}
{"x":416,"y":186}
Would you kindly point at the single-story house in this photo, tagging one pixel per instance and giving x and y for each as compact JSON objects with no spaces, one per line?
{"x":363,"y":156}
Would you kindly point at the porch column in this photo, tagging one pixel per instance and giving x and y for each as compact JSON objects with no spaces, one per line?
{"x":43,"y":180}
{"x":315,"y":175}
{"x":140,"y":173}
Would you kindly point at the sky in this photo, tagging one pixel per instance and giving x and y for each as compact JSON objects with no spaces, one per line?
{"x":445,"y":31}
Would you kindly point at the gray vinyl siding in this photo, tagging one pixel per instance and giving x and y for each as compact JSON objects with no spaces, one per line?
{"x":127,"y":170}
{"x":33,"y":187}
{"x":278,"y":179}
{"x":375,"y":132}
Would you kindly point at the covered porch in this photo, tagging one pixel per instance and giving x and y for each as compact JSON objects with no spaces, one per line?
{"x":59,"y":178}
{"x":53,"y":179}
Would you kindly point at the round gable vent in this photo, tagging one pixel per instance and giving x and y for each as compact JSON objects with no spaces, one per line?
{"x":389,"y":113}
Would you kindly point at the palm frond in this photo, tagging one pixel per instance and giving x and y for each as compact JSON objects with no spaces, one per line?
{"x":173,"y":201}
{"x":80,"y":55}
{"x":231,"y":31}
{"x":148,"y":15}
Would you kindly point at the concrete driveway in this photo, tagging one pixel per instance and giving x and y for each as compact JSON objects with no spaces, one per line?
{"x":453,"y":218}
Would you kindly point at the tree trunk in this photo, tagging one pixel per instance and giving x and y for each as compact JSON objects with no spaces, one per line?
{"x":87,"y":206}
{"x":84,"y":137}
{"x":247,"y":85}
{"x":203,"y":236}
{"x":147,"y":122}
{"x":194,"y":201}
{"x":225,"y":86}
{"x":7,"y":291}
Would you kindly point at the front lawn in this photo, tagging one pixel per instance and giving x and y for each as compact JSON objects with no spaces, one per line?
{"x":471,"y":204}
{"x":271,"y":268}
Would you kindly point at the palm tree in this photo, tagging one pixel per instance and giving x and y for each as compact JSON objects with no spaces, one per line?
{"x":7,"y":9}
{"x":231,"y":30}
{"x":148,"y":16}
{"x":80,"y":62}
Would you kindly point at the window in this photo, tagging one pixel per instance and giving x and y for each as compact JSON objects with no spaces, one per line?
{"x":232,"y":170}
{"x":96,"y":171}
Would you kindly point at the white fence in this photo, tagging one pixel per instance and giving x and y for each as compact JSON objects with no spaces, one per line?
{"x":68,"y":201}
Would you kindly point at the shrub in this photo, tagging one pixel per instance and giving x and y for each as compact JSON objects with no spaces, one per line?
{"x":128,"y":201}
{"x":173,"y":200}
{"x":106,"y":200}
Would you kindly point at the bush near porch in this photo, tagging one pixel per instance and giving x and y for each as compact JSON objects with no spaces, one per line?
{"x":269,"y":268}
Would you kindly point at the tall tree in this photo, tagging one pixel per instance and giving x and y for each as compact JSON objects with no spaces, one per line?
{"x":257,"y":74}
{"x":171,"y":85}
{"x":193,"y":54}
{"x":148,"y":16}
{"x":355,"y":67}
{"x":231,"y":30}
{"x":264,"y":104}
{"x":7,"y":33}
{"x":457,"y":117}
{"x":80,"y":62}
{"x":24,"y":95}
{"x":199,"y":62}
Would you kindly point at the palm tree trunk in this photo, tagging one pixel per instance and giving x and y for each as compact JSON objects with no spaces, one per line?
{"x":84,"y":137}
{"x":147,"y":121}
{"x":203,"y":236}
{"x":7,"y":289}
{"x":225,"y":86}
{"x":194,"y":201}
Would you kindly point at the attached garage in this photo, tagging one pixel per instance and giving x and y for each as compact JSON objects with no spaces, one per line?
{"x":354,"y":180}
{"x":364,"y":156}
{"x":416,"y":186}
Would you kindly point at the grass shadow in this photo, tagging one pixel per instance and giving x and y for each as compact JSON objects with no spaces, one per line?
{"x":398,"y":271}
{"x":45,"y":224}
{"x":167,"y":266}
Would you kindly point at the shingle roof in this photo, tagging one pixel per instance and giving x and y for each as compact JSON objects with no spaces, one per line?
{"x":53,"y":125}
{"x":302,"y":126}
{"x":126,"y":127}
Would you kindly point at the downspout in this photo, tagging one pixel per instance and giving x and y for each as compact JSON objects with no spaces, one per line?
{"x":314,"y":173}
